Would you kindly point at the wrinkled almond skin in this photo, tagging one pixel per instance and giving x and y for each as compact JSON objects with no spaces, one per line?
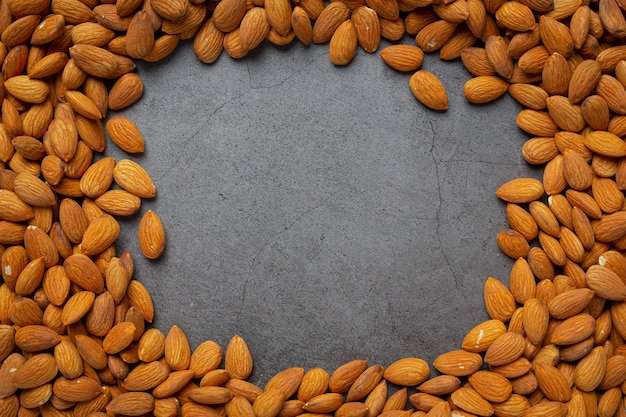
{"x":429,"y":90}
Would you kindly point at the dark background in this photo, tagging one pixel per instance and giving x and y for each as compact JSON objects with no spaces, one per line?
{"x":321,"y":213}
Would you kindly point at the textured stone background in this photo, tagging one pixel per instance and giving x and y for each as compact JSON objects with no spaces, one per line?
{"x":321,"y":213}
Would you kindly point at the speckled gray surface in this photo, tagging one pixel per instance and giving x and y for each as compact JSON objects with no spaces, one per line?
{"x":321,"y":213}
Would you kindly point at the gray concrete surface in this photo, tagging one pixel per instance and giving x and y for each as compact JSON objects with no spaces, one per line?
{"x":321,"y":213}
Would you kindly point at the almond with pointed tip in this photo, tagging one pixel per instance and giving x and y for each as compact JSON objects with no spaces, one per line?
{"x":36,"y":338}
{"x":367,"y":28}
{"x":151,"y":235}
{"x":133,"y":178}
{"x":125,"y":91}
{"x":458,"y":363}
{"x":238,"y":359}
{"x":101,"y":233}
{"x":329,"y":20}
{"x":429,"y":90}
{"x":119,"y":337}
{"x":314,"y":382}
{"x":343,"y":44}
{"x":403,"y":57}
{"x":131,"y":404}
{"x":177,"y":350}
{"x":407,"y":372}
{"x":254,"y":28}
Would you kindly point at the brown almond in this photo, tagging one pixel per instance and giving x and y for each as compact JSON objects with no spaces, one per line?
{"x":458,"y":363}
{"x":329,"y":20}
{"x":403,"y":57}
{"x":344,"y":376}
{"x":429,"y":90}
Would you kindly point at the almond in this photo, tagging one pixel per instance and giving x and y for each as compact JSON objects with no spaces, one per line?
{"x":314,"y":382}
{"x":458,"y":363}
{"x":329,"y":20}
{"x":344,"y":376}
{"x":429,"y":90}
{"x":133,"y":178}
{"x":505,"y":349}
{"x":131,"y":404}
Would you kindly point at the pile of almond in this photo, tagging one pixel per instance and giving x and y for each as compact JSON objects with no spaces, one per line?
{"x":75,"y":339}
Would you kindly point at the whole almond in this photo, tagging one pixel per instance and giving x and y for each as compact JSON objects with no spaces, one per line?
{"x":429,"y":90}
{"x":365,"y":383}
{"x":471,"y":401}
{"x":499,"y":301}
{"x":329,"y":20}
{"x":227,"y":15}
{"x":367,"y":27}
{"x":287,"y":380}
{"x":324,"y":403}
{"x":269,"y":403}
{"x":140,"y":36}
{"x":254,"y":28}
{"x":458,"y":363}
{"x":314,"y":382}
{"x":119,"y":338}
{"x":343,"y":44}
{"x":505,"y":349}
{"x":177,"y":350}
{"x":491,"y":386}
{"x":552,"y":383}
{"x":574,"y":329}
{"x":100,"y":234}
{"x":238,"y":360}
{"x":484,"y":89}
{"x":407,"y":372}
{"x":131,"y":404}
{"x":152,"y":346}
{"x":151,"y":235}
{"x":36,"y":371}
{"x":344,"y":376}
{"x":146,"y":376}
{"x":133,"y":178}
{"x":301,"y":24}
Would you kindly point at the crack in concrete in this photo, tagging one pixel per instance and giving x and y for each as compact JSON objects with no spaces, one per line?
{"x":195,"y":134}
{"x":285,"y":80}
{"x":438,"y":217}
{"x":267,"y":242}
